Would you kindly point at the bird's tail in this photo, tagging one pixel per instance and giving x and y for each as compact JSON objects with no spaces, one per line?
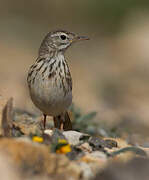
{"x":63,"y":122}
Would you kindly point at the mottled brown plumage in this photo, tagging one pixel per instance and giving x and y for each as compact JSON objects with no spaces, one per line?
{"x":49,"y":78}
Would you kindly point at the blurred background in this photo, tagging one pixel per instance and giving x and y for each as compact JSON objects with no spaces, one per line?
{"x":110,"y":72}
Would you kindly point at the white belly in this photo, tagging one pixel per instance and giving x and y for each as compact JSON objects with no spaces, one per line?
{"x":50,"y":98}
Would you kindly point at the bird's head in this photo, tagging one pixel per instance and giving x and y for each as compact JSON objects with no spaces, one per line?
{"x":60,"y":40}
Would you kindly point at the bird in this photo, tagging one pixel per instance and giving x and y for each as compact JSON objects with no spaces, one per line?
{"x":49,"y":79}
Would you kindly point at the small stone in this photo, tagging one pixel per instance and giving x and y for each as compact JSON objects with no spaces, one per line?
{"x":86,"y":147}
{"x":121,"y":143}
{"x":99,"y":144}
{"x":73,"y":137}
{"x":26,"y":124}
{"x":110,"y":143}
{"x":96,"y":143}
{"x":49,"y":132}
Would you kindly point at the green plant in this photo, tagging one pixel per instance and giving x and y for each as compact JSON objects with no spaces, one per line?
{"x":83,"y":122}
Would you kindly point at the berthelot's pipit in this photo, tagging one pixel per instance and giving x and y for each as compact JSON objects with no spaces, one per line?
{"x":49,"y":79}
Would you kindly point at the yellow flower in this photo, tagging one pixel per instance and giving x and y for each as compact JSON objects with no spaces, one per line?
{"x":64,"y":149}
{"x":37,"y":139}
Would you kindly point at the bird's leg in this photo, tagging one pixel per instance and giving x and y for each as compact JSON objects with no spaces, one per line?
{"x":63,"y":122}
{"x":44,"y":121}
{"x":57,"y":121}
{"x":62,"y":126}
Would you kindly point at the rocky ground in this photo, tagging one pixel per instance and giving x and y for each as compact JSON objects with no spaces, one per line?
{"x":28,"y":152}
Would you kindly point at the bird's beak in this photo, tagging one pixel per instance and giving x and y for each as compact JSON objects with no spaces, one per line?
{"x":79,"y":38}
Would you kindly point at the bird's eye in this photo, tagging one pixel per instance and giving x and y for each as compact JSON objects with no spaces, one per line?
{"x":63,"y":37}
